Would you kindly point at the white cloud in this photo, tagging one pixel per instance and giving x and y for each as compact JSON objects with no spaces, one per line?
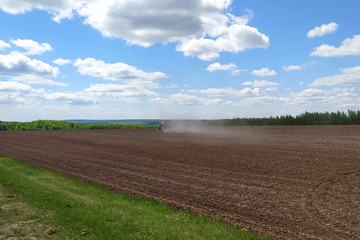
{"x":135,"y":83}
{"x":186,"y":99}
{"x":204,"y":49}
{"x":172,"y":86}
{"x":32,"y":47}
{"x":271,"y":89}
{"x":33,"y":79}
{"x":15,"y":92}
{"x":154,"y":24}
{"x":77,"y":98}
{"x":61,"y":61}
{"x":3,"y":45}
{"x":349,"y":47}
{"x":236,"y":38}
{"x":338,"y":97}
{"x":261,"y":83}
{"x":117,"y":72}
{"x":224,"y":67}
{"x":16,"y":64}
{"x":291,"y":68}
{"x":264,"y":83}
{"x":122,"y":92}
{"x":221,"y":67}
{"x":264,"y":72}
{"x":248,"y":96}
{"x":262,"y":100}
{"x":20,"y":67}
{"x":203,"y":27}
{"x":322,"y":30}
{"x":14,"y":87}
{"x":348,"y":76}
{"x":58,"y":8}
{"x":246,"y":92}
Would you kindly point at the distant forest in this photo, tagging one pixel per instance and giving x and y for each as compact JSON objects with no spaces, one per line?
{"x":127,"y":121}
{"x":63,"y":125}
{"x":315,"y":118}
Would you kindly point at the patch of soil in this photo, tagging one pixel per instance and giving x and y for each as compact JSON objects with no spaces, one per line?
{"x":287,"y":182}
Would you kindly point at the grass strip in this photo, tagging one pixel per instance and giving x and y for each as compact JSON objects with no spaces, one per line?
{"x":19,"y":220}
{"x":82,"y":211}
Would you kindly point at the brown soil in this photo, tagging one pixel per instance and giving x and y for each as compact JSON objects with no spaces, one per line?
{"x":286,"y":182}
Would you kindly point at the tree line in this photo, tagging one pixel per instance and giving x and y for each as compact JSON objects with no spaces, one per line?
{"x":61,"y":125}
{"x":315,"y":118}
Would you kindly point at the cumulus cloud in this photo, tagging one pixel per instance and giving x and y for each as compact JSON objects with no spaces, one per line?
{"x":236,"y":38}
{"x":291,"y":68}
{"x":336,"y":97}
{"x":349,"y":47}
{"x":17,"y":64}
{"x":117,"y":72}
{"x":246,"y":92}
{"x":76,"y":98}
{"x":134,"y":83}
{"x":33,"y":79}
{"x":260,"y":83}
{"x":271,"y":89}
{"x":186,"y":99}
{"x":322,"y":30}
{"x":224,"y":67}
{"x":247,"y":96}
{"x":122,"y":92}
{"x":348,"y":76}
{"x":203,"y":27}
{"x":15,"y":92}
{"x":19,"y":67}
{"x":61,"y":61}
{"x":262,"y":100}
{"x":153,"y":23}
{"x":3,"y":45}
{"x":32,"y":47}
{"x":58,"y":8}
{"x":14,"y":87}
{"x":264,"y":72}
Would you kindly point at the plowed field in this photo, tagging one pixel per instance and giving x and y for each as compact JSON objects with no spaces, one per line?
{"x":288,"y":182}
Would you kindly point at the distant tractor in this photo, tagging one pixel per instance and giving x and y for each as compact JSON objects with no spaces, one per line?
{"x":163,"y":125}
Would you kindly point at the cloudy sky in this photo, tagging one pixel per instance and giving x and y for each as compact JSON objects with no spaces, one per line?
{"x":198,"y":59}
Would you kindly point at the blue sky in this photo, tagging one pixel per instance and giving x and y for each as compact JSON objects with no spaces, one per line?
{"x":203,"y":59}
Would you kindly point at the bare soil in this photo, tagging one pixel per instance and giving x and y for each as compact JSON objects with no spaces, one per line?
{"x":287,"y":182}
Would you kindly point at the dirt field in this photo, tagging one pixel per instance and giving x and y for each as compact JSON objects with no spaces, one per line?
{"x":286,"y":182}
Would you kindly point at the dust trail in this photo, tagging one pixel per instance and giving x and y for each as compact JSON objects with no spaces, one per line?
{"x":201,"y":127}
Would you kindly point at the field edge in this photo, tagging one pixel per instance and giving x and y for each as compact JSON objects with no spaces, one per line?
{"x":81,"y":209}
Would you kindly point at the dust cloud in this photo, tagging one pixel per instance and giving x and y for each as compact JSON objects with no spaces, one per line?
{"x":202,"y":127}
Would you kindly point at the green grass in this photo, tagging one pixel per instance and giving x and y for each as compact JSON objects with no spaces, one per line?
{"x":80,"y":211}
{"x":19,"y":220}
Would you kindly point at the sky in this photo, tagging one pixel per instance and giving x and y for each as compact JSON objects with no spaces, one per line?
{"x":189,"y":59}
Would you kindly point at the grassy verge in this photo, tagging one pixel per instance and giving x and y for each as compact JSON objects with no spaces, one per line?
{"x":19,"y":220}
{"x":64,"y":208}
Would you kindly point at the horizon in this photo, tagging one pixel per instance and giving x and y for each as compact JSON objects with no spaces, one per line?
{"x":127,"y":120}
{"x":193,"y":60}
